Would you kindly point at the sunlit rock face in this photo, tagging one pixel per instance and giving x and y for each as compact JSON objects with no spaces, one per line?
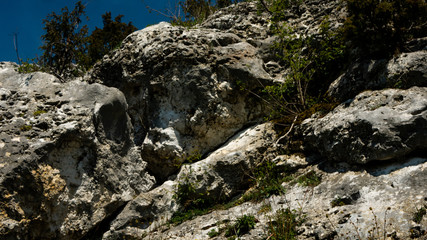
{"x":67,"y":156}
{"x":104,"y":156}
{"x":375,"y":125}
{"x":188,"y":90}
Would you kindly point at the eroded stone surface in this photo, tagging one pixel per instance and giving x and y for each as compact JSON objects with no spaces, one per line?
{"x":221,"y":175}
{"x":185,"y":89}
{"x":67,"y":156}
{"x":375,"y":125}
{"x":380,"y":196}
{"x":403,"y":71}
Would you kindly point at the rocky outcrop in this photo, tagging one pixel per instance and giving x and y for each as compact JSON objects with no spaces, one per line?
{"x":187,"y":90}
{"x":375,"y":125}
{"x":80,"y":160}
{"x":349,"y":203}
{"x":223,"y":174}
{"x":67,"y":157}
{"x":403,"y":71}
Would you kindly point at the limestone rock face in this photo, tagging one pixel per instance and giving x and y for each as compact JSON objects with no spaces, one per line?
{"x":67,"y":159}
{"x":408,"y":69}
{"x":403,"y":71}
{"x":375,"y":125}
{"x":188,"y":90}
{"x":349,"y":203}
{"x":80,"y":160}
{"x":221,"y":175}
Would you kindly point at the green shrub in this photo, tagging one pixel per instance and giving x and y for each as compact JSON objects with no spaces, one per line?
{"x":313,"y":63}
{"x":278,"y":8}
{"x":419,"y":214}
{"x":64,"y":41}
{"x":267,"y":181}
{"x":187,"y":195}
{"x":310,"y":179}
{"x":192,"y":202}
{"x":188,"y":13}
{"x":242,"y":226}
{"x":39,"y":112}
{"x":26,"y":128}
{"x":213,"y":233}
{"x":381,"y":27}
{"x":283,"y":225}
{"x":102,"y":41}
{"x":30,"y":66}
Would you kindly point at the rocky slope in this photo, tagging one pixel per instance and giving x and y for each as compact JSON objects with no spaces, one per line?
{"x":103,"y":157}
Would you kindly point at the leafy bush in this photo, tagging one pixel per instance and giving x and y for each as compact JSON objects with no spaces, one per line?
{"x":267,"y":181}
{"x":283,"y":225}
{"x":310,"y":179}
{"x":29,"y":66}
{"x":64,"y":41}
{"x":101,"y":41}
{"x":192,"y":202}
{"x":278,"y":8}
{"x":419,"y":214}
{"x":313,"y":63}
{"x":242,"y":226}
{"x":187,"y":195}
{"x":381,"y":27}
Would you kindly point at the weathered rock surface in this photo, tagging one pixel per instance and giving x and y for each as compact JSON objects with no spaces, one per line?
{"x":184,"y":89}
{"x":66,"y":155}
{"x":375,"y":125}
{"x":384,"y":196}
{"x":74,"y":156}
{"x":220,"y":176}
{"x":403,"y":71}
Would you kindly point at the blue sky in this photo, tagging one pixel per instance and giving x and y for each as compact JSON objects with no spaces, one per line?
{"x":25,"y":18}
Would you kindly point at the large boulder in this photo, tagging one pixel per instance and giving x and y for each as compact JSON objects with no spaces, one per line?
{"x":67,"y":159}
{"x":375,"y":125}
{"x":188,"y":90}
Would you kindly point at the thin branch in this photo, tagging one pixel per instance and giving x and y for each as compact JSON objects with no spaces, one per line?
{"x":15,"y":44}
{"x":288,"y":132}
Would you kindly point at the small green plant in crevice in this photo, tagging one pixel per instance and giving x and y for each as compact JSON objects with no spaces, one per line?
{"x":26,"y":128}
{"x":193,"y":156}
{"x":267,"y":180}
{"x":337,"y":202}
{"x":310,"y":179}
{"x":283,"y":224}
{"x":39,"y":112}
{"x":419,"y":214}
{"x":242,"y":226}
{"x":193,"y":203}
{"x":265,"y":208}
{"x":213,"y":233}
{"x":186,"y":193}
{"x":188,"y":214}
